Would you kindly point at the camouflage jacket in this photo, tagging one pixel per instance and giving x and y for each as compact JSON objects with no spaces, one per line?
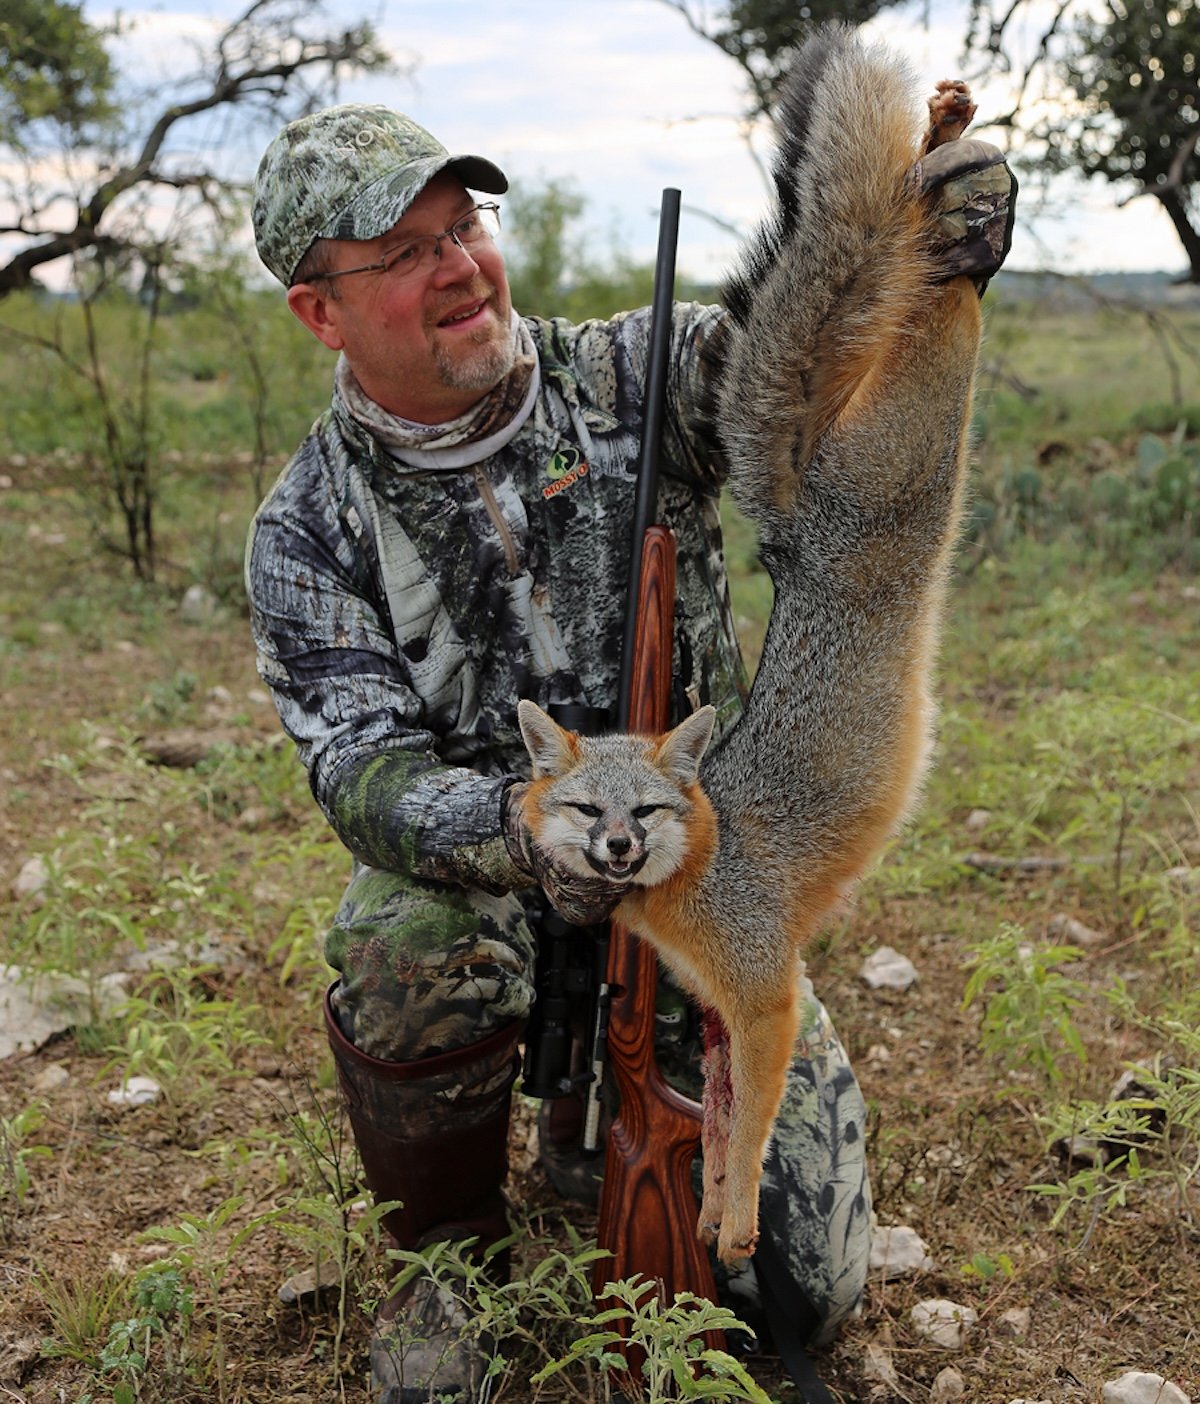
{"x":400,"y":613}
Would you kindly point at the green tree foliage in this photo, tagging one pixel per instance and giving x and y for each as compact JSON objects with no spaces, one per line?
{"x":1134,"y":73}
{"x":53,"y":64}
{"x":554,"y":269}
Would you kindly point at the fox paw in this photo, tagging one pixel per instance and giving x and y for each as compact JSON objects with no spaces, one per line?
{"x":950,"y":112}
{"x":708,"y":1226}
{"x":736,"y":1243}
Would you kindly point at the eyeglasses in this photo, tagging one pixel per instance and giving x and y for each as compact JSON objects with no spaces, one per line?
{"x":421,"y":255}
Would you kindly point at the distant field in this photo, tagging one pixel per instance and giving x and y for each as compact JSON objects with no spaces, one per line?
{"x":1048,"y":894}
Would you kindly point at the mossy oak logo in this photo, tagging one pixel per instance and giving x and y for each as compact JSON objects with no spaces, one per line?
{"x":564,"y":470}
{"x":366,"y":134}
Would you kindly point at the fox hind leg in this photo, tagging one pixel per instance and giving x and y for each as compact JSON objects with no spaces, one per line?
{"x":717,"y":1108}
{"x":760,"y":1053}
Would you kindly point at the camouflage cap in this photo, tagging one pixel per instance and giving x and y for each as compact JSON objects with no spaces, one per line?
{"x":348,"y":172}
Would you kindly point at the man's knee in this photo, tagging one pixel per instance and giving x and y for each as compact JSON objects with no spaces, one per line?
{"x":426,"y":967}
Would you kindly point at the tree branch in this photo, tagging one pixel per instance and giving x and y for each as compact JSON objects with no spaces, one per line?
{"x":272,"y":60}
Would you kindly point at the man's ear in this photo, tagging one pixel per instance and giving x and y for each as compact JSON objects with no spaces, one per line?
{"x":318,"y":312}
{"x":551,"y":749}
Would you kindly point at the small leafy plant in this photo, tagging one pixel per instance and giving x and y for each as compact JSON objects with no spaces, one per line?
{"x":1028,"y":1002}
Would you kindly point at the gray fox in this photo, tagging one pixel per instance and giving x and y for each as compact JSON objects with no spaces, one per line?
{"x":844,"y":389}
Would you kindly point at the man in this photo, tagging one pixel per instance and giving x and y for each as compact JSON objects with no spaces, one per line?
{"x":452,"y":536}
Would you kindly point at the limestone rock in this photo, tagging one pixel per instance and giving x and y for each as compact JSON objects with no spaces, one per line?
{"x":1139,"y":1387}
{"x":198,"y":605}
{"x":947,"y":1386}
{"x":943,"y":1323}
{"x":1014,"y":1322}
{"x":32,"y":878}
{"x":306,"y":1288}
{"x":878,"y":1365}
{"x":898,"y":1252}
{"x":37,"y":1004}
{"x":1073,"y":932}
{"x":888,"y":969}
{"x":51,"y":1076}
{"x":135,"y":1092}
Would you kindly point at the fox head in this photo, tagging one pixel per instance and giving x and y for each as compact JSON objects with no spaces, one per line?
{"x":618,"y":806}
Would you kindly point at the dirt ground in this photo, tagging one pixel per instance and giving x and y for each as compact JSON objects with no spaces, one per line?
{"x":954,"y":1139}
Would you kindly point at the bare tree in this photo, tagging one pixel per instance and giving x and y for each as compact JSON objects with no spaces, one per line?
{"x":276,"y":60}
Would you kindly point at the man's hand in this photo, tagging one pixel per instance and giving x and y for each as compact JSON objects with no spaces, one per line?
{"x":972,"y":191}
{"x":974,"y":196}
{"x":582,"y":901}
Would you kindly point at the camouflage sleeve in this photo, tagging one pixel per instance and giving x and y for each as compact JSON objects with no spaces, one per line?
{"x":325,"y":649}
{"x":393,"y":812}
{"x":690,"y":440}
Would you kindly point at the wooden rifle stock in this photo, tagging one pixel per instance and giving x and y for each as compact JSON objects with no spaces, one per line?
{"x":648,"y":1208}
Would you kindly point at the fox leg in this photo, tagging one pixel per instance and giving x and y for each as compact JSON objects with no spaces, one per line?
{"x":717,"y":1107}
{"x":760,"y":1053}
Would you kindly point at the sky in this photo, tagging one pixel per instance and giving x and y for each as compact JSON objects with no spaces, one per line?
{"x":620,"y":98}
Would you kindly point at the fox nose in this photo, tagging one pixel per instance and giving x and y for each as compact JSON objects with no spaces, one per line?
{"x":619,"y":845}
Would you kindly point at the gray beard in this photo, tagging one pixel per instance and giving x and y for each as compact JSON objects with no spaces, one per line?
{"x":480,"y":371}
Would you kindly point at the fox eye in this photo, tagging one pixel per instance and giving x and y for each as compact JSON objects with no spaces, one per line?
{"x":591,"y":811}
{"x":644,"y":811}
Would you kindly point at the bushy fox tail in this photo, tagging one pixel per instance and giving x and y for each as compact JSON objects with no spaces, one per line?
{"x":838,"y":263}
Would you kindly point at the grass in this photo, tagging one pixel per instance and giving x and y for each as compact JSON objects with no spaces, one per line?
{"x":144,"y":1247}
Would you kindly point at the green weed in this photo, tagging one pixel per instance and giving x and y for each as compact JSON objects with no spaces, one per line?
{"x":175,"y":1032}
{"x":82,"y":1308}
{"x":678,"y":1362}
{"x":17,"y":1153}
{"x":1029,"y":1003}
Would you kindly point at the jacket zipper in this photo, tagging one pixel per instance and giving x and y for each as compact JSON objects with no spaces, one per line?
{"x":502,"y":528}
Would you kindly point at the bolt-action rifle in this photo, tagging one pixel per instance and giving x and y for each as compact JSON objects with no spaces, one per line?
{"x":648,"y":1208}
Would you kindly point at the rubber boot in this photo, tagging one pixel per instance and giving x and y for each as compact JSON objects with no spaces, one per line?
{"x":432,"y":1133}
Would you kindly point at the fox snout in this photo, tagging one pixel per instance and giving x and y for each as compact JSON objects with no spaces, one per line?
{"x":616,"y":852}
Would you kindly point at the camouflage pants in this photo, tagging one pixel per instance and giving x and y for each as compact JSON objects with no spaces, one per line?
{"x":426,"y":967}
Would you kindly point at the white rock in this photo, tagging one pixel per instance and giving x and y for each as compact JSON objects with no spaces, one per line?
{"x":34,"y":876}
{"x":1015,"y":1321}
{"x":888,"y":969}
{"x":898,"y":1251}
{"x":879,"y":1053}
{"x":977,"y":820}
{"x":135,"y":1092}
{"x":1185,"y":879}
{"x":878,"y":1365}
{"x":197,"y":605}
{"x":943,"y":1323}
{"x":1138,"y":1387}
{"x":37,"y":1004}
{"x":1074,"y":933}
{"x":948,"y":1385}
{"x":51,"y":1076}
{"x":1028,"y":1401}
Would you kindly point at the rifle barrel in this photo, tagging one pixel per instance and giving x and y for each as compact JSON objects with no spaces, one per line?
{"x":646,"y":500}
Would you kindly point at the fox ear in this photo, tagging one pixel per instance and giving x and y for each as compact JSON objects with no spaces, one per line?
{"x":680,"y":751}
{"x":549,"y":746}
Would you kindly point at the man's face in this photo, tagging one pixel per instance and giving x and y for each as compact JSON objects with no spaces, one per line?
{"x":429,"y":347}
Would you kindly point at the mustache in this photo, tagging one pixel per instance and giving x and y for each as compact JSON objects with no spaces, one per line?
{"x":454,"y":297}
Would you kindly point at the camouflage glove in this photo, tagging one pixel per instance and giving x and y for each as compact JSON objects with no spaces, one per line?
{"x":975,"y":197}
{"x":582,"y":901}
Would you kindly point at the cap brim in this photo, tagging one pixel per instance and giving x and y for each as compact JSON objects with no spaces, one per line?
{"x":381,"y":205}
